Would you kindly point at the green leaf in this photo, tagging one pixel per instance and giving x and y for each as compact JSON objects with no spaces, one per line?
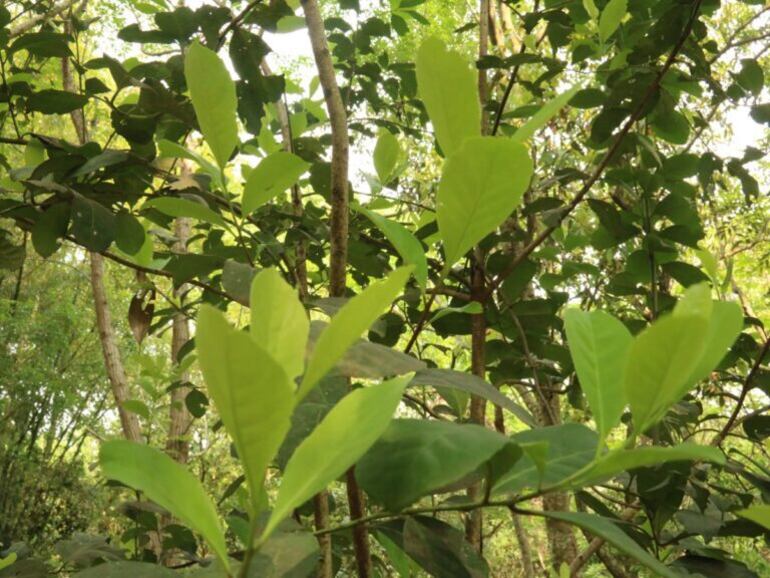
{"x":339,"y":441}
{"x":416,"y":456}
{"x":212,"y":92}
{"x":757,"y":514}
{"x":447,"y":86}
{"x":126,"y":570}
{"x":8,"y":560}
{"x":172,"y":150}
{"x":166,"y":483}
{"x":570,"y":447}
{"x":407,"y":245}
{"x":619,"y":461}
{"x":386,"y":153}
{"x":611,"y":17}
{"x":474,"y":307}
{"x":93,"y":225}
{"x":481,"y":184}
{"x":55,"y":101}
{"x":49,"y":228}
{"x":543,"y":115}
{"x":178,"y":207}
{"x":751,"y":76}
{"x":604,"y":528}
{"x":279,"y":323}
{"x":130,"y":235}
{"x":349,"y":323}
{"x":253,"y":394}
{"x":671,"y":126}
{"x":599,"y":346}
{"x":660,"y":362}
{"x":271,"y":177}
{"x":236,"y":280}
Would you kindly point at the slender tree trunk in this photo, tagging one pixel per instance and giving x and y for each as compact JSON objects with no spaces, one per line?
{"x":339,"y":235}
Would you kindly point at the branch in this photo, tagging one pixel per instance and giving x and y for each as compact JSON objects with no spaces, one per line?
{"x":608,"y":157}
{"x":27,"y":25}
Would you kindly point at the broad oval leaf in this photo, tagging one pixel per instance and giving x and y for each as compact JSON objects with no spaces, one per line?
{"x":599,"y":346}
{"x":349,"y":323}
{"x":386,"y":153}
{"x":566,"y":448}
{"x":611,"y":17}
{"x":93,"y":225}
{"x":481,"y":184}
{"x":279,"y":323}
{"x":212,"y":92}
{"x":271,"y":177}
{"x":252,"y":392}
{"x":447,"y":86}
{"x":166,"y":483}
{"x":178,"y":207}
{"x":660,"y":362}
{"x":338,"y":442}
{"x":407,"y":245}
{"x":415,"y":456}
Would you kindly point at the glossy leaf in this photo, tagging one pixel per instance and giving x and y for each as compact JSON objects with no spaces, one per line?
{"x":414,"y":457}
{"x":447,"y":86}
{"x":599,"y":346}
{"x":166,"y":483}
{"x":250,"y":389}
{"x":349,"y":323}
{"x":271,"y":177}
{"x":481,"y":185}
{"x":338,"y":442}
{"x":212,"y":92}
{"x":279,"y":323}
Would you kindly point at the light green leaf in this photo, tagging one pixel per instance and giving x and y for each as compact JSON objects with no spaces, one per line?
{"x":271,"y":177}
{"x":338,"y":442}
{"x":253,"y":394}
{"x":660,"y":362}
{"x":386,"y":153}
{"x":172,"y":150}
{"x":212,"y":92}
{"x":543,"y":115}
{"x":447,"y":86}
{"x":604,"y":528}
{"x":757,"y":514}
{"x":349,"y":323}
{"x":8,"y":560}
{"x":178,"y":207}
{"x":472,"y":307}
{"x":166,"y":483}
{"x":481,"y":184}
{"x":406,"y":244}
{"x":611,"y":17}
{"x":599,"y":346}
{"x":279,"y":322}
{"x":591,"y":8}
{"x":416,"y":456}
{"x":619,"y":461}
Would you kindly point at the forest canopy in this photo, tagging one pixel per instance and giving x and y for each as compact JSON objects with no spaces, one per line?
{"x":305,"y":288}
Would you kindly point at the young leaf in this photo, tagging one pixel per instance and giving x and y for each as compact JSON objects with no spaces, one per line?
{"x":481,"y":184}
{"x":611,"y":17}
{"x":279,"y":322}
{"x":271,"y":177}
{"x":543,"y":115}
{"x":599,"y":346}
{"x":415,"y":456}
{"x":386,"y":153}
{"x":178,"y":207}
{"x":406,"y":244}
{"x":212,"y":92}
{"x":757,"y":514}
{"x":604,"y":528}
{"x":252,"y":392}
{"x":725,"y":324}
{"x":349,"y":323}
{"x":166,"y":483}
{"x":660,"y":362}
{"x":447,"y":87}
{"x":344,"y":435}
